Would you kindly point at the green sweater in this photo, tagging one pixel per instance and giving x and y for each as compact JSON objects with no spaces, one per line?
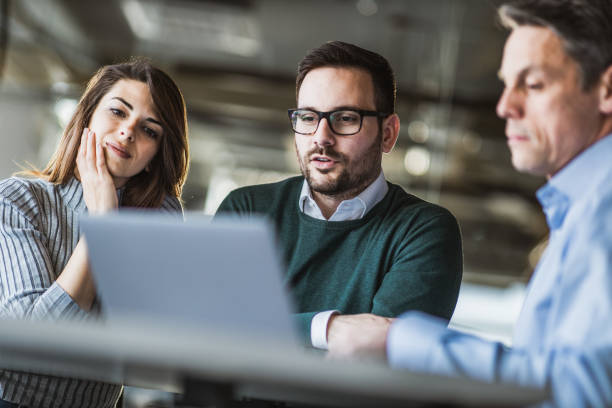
{"x":404,"y":254}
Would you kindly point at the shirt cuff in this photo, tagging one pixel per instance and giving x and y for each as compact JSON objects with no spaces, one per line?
{"x":318,"y":328}
{"x":56,"y":304}
{"x":412,"y":339}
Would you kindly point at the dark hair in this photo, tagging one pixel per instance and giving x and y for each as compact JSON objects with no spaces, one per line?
{"x":584,"y":26}
{"x":341,"y":54}
{"x":168,"y":169}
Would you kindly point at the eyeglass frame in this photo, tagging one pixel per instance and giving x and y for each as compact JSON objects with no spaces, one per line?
{"x":326,"y":115}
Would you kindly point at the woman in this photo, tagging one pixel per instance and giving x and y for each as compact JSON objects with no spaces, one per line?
{"x":126,"y":145}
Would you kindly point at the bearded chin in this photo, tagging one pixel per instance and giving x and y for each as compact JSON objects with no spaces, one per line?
{"x":335,"y":186}
{"x":355,"y":176}
{"x":345,"y":183}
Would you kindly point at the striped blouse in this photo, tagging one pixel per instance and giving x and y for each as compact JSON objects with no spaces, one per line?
{"x":39,"y":228}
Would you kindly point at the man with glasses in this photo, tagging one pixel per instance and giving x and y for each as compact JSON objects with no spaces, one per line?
{"x":352,"y":242}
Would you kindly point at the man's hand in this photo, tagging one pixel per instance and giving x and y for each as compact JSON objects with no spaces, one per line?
{"x":358,"y":335}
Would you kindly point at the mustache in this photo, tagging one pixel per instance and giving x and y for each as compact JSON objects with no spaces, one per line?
{"x":325,"y":151}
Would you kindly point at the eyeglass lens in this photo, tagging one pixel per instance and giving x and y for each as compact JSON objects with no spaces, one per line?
{"x":344,"y":122}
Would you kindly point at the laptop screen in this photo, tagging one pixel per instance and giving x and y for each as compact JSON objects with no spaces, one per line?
{"x":221,"y":275}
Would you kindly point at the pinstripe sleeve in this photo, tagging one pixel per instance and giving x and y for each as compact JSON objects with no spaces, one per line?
{"x":172,"y":205}
{"x":27,"y":287}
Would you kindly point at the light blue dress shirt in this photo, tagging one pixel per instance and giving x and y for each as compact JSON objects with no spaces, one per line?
{"x":563,"y":338}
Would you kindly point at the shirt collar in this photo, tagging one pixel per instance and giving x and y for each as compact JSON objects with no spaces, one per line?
{"x":367,"y":199}
{"x":573,"y":182}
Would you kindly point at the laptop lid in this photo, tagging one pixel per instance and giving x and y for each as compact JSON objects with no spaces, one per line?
{"x":223,"y":274}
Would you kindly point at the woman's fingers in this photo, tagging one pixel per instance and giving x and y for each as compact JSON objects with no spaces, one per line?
{"x":91,"y":149}
{"x":80,"y":160}
{"x":100,"y":159}
{"x":83,"y":145}
{"x":98,"y":186}
{"x":91,"y":154}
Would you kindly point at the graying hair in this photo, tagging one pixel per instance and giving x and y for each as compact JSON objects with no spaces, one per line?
{"x":584,"y":26}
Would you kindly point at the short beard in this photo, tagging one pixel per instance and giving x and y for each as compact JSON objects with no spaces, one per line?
{"x":352,"y":180}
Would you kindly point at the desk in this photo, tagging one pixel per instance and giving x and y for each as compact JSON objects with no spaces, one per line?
{"x":171,"y":358}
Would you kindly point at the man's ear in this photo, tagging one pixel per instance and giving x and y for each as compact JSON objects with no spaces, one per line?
{"x":605,"y":92}
{"x":390,"y":129}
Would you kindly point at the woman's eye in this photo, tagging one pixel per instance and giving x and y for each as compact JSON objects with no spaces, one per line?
{"x":150,"y":132}
{"x":117,"y":112}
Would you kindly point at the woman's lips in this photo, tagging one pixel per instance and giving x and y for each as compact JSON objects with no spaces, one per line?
{"x":118,"y":150}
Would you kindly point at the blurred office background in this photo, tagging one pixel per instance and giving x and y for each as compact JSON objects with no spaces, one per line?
{"x":235,"y":61}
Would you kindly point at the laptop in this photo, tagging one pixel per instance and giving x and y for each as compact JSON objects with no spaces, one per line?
{"x":223,"y":274}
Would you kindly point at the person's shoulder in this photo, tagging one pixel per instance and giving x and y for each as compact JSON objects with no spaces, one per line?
{"x":406,"y":203}
{"x":19,"y":188}
{"x":24,"y":194}
{"x":171,"y":204}
{"x":596,"y":215}
{"x":267,"y":192}
{"x":261,"y":198}
{"x":270,"y":189}
{"x":413,"y":217}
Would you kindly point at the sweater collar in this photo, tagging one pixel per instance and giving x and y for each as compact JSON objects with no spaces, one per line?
{"x":352,"y":209}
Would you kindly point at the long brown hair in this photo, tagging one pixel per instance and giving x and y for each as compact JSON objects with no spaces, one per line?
{"x":167,"y":171}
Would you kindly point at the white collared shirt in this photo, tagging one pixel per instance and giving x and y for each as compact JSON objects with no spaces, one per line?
{"x":352,"y":209}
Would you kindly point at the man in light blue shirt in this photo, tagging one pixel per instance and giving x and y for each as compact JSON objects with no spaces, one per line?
{"x":557,"y":103}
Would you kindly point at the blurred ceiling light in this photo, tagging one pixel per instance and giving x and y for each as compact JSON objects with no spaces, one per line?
{"x":471,"y":141}
{"x":57,"y":72}
{"x":367,"y":7}
{"x":61,"y":87}
{"x":417,"y":161}
{"x":138,"y":19}
{"x":64,"y":109}
{"x":194,"y":27}
{"x":418,"y":131}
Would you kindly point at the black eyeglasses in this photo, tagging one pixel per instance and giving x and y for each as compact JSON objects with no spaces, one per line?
{"x":343,"y":122}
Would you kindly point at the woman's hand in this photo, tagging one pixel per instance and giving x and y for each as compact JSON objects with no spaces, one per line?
{"x":100,"y":196}
{"x":98,"y":185}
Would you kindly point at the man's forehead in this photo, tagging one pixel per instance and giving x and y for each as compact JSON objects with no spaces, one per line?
{"x":533,"y":49}
{"x":330,"y":87}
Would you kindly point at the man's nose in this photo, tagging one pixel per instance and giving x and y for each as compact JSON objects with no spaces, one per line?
{"x":510,"y":104}
{"x":324,"y":136}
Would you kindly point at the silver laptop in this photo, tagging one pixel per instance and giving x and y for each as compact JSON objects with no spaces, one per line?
{"x":222,"y":274}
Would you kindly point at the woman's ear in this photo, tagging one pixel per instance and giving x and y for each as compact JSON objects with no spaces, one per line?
{"x":605,"y":92}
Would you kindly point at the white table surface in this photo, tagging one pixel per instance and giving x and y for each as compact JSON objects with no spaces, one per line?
{"x":159,"y":357}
